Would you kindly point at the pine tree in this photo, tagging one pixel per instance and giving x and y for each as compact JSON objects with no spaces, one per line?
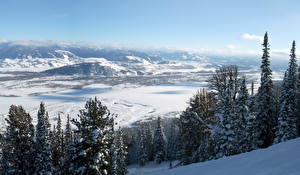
{"x":159,"y":143}
{"x":266,"y":116}
{"x":195,"y":126}
{"x":287,"y":119}
{"x":142,"y":148}
{"x":173,"y":142}
{"x":43,"y":165}
{"x":226,"y":83}
{"x":57,"y":147}
{"x":252,"y":99}
{"x":190,"y":133}
{"x":119,"y":154}
{"x":91,"y":151}
{"x":149,"y":141}
{"x":18,"y":140}
{"x":68,"y":136}
{"x":225,"y":135}
{"x":242,"y":115}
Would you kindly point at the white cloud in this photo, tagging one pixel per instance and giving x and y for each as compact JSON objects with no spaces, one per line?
{"x":231,"y":46}
{"x":247,"y":36}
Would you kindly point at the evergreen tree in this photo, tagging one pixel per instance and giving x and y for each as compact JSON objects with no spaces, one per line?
{"x":43,"y":161}
{"x":91,"y":151}
{"x":57,"y":147}
{"x":68,"y":136}
{"x":266,"y":116}
{"x":252,"y":99}
{"x":225,"y":135}
{"x":148,"y":141}
{"x":142,"y":148}
{"x":195,"y":126}
{"x":159,"y":143}
{"x":173,"y":144}
{"x":225,"y":81}
{"x":242,"y":115}
{"x":190,"y":133}
{"x":287,"y":119}
{"x":17,"y":150}
{"x":119,"y":154}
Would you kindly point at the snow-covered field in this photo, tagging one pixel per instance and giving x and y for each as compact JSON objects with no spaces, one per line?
{"x":130,"y":102}
{"x":279,"y":159}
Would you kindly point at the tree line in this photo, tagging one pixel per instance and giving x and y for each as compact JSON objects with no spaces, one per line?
{"x":93,"y":147}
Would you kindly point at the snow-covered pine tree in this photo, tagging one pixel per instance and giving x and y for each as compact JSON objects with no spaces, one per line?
{"x":225,"y":81}
{"x":68,"y":136}
{"x":252,"y":100}
{"x":119,"y":154}
{"x":195,"y":126}
{"x":190,"y":133}
{"x":68,"y":145}
{"x":159,"y":143}
{"x":17,"y":150}
{"x":173,"y":144}
{"x":142,"y":148}
{"x":57,"y":147}
{"x":287,"y":119}
{"x":266,"y":116}
{"x":242,"y":115}
{"x":225,"y":136}
{"x":91,"y":151}
{"x":43,"y":163}
{"x":148,"y":140}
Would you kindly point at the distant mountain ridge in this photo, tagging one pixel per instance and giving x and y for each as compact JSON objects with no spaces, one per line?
{"x":15,"y":50}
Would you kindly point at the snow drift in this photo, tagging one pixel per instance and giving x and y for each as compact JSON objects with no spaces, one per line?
{"x":279,"y":159}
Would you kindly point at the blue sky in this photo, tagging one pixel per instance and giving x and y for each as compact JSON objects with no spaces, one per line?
{"x":211,"y":24}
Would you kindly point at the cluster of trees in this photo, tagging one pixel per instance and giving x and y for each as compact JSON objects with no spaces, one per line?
{"x":93,"y":147}
{"x":227,"y":119}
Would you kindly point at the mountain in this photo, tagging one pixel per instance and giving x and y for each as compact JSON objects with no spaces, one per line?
{"x":39,"y":56}
{"x":279,"y":159}
{"x":38,"y":49}
{"x":99,"y":67}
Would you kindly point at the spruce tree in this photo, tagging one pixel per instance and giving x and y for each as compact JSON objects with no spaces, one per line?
{"x":68,"y":135}
{"x":266,"y":116}
{"x":43,"y":165}
{"x":119,"y":154}
{"x":225,"y":81}
{"x":159,"y":143}
{"x":91,"y":151}
{"x":142,"y":148}
{"x":57,"y":147}
{"x":17,"y":150}
{"x":242,"y":115}
{"x":287,"y":119}
{"x":173,"y":144}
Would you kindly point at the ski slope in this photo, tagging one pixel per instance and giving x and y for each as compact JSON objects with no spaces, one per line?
{"x":279,"y":159}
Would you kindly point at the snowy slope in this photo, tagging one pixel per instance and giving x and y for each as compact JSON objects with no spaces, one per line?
{"x":280,"y":159}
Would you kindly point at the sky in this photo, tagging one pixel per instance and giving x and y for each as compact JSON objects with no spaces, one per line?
{"x":232,"y":25}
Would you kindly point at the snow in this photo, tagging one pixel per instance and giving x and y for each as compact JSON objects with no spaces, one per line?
{"x":279,"y":159}
{"x":130,"y":102}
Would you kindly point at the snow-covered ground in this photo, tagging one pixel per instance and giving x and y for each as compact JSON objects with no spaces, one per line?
{"x":279,"y":159}
{"x":130,"y":102}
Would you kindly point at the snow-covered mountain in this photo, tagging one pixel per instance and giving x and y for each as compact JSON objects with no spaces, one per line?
{"x":62,"y":57}
{"x":279,"y":159}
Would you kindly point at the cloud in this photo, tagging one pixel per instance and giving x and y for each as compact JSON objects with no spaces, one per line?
{"x":247,"y":36}
{"x":231,"y":46}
